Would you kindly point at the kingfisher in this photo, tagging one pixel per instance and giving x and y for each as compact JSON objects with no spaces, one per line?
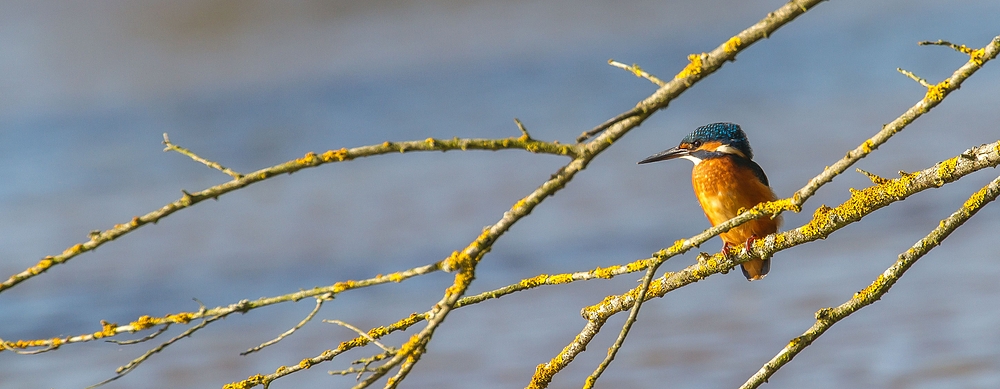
{"x":726,"y":179}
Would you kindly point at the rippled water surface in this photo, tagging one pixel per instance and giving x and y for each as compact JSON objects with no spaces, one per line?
{"x":87,"y":89}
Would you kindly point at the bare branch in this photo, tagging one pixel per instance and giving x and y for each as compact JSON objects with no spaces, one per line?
{"x":309,"y":317}
{"x":143,"y":339}
{"x":192,"y":155}
{"x":524,"y":131}
{"x":977,"y":56}
{"x":635,"y":69}
{"x":914,"y":77}
{"x":362,"y":333}
{"x":365,"y":362}
{"x":127,"y":368}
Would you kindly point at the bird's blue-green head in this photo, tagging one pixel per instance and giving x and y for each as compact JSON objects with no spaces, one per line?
{"x":708,"y":141}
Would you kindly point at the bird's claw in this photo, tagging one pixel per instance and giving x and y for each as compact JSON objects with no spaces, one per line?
{"x":749,"y":244}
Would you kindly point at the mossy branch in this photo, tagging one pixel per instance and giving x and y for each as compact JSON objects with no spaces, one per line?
{"x":212,"y":164}
{"x":143,"y":323}
{"x":936,"y":93}
{"x":109,"y":330}
{"x":701,"y":65}
{"x":310,"y":160}
{"x":827,"y":317}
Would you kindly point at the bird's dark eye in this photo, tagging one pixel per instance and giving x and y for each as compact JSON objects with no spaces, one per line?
{"x":696,"y":144}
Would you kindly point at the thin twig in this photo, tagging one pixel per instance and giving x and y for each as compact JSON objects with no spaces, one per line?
{"x":360,"y":370}
{"x":196,"y":157}
{"x":362,"y":333}
{"x":940,"y":42}
{"x":914,"y":77}
{"x":365,"y":362}
{"x":319,"y":304}
{"x":352,"y":370}
{"x":38,"y":351}
{"x":364,"y":365}
{"x":608,"y":123}
{"x":524,"y":131}
{"x":143,"y":339}
{"x":127,"y":368}
{"x":632,"y":317}
{"x":635,"y":69}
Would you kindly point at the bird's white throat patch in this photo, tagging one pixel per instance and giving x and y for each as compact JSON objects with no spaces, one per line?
{"x":692,"y":158}
{"x":729,"y":150}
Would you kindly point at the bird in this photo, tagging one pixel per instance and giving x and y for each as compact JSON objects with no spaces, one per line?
{"x":725,"y":180}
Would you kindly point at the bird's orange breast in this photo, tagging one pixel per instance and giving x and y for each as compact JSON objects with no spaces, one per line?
{"x":724,"y":187}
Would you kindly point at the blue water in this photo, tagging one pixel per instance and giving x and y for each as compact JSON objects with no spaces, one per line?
{"x":87,"y":91}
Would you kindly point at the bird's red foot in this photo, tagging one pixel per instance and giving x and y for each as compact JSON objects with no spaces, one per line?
{"x":749,"y":244}
{"x":725,"y":249}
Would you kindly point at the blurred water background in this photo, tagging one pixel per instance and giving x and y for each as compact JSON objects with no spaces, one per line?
{"x":87,"y":89}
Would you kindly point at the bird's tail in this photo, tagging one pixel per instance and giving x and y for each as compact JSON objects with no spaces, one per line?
{"x":756,"y":269}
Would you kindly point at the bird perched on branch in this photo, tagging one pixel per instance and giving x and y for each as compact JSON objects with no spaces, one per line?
{"x":726,"y":179}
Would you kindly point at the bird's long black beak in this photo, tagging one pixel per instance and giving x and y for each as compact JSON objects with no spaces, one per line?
{"x":671,"y":153}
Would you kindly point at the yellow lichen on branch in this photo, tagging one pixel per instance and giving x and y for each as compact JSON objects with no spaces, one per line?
{"x":732,"y":45}
{"x":107,"y":330}
{"x":310,"y":159}
{"x":143,"y":322}
{"x":937,"y":92}
{"x":868,"y":146}
{"x":977,"y":199}
{"x":947,"y":167}
{"x":693,"y":67}
{"x":977,"y":56}
{"x":181,"y":318}
{"x":337,"y":155}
